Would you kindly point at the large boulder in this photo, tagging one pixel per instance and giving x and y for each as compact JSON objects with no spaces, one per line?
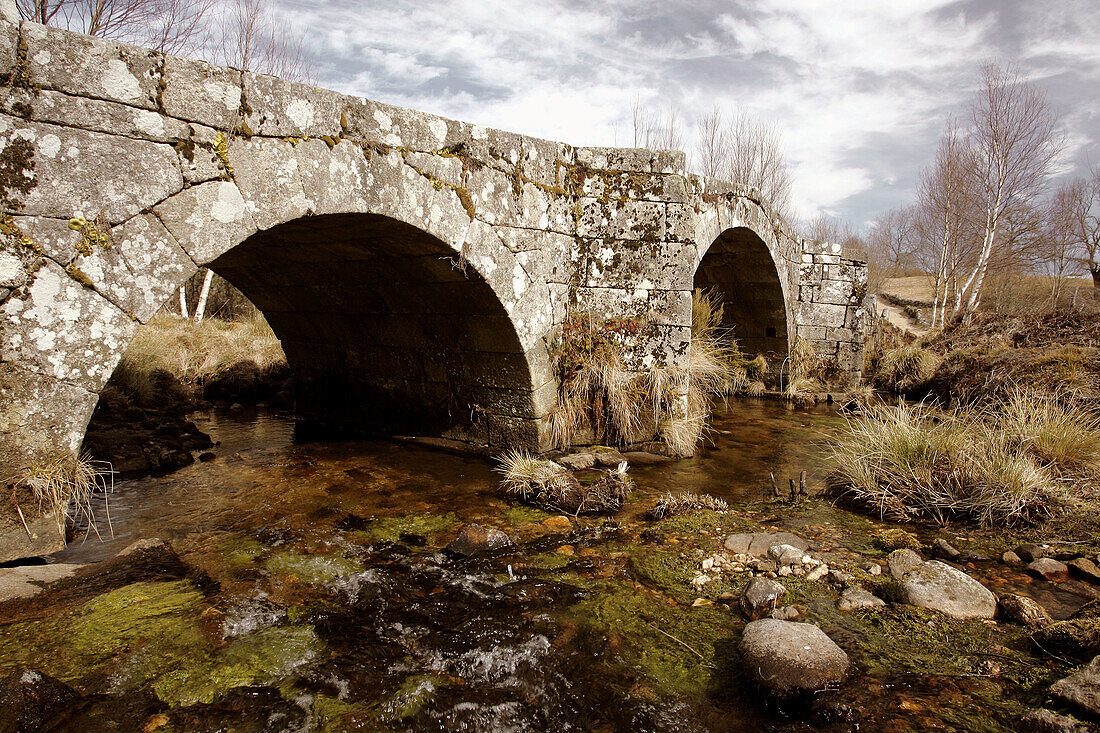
{"x":476,"y":540}
{"x":942,"y":588}
{"x":1082,"y":688}
{"x":790,"y":658}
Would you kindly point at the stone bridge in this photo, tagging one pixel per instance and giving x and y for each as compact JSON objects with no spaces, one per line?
{"x":414,"y":267}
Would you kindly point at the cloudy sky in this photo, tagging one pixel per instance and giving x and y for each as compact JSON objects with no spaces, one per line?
{"x":859,"y":90}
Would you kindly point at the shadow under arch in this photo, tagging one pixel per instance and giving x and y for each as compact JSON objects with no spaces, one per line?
{"x":385,"y":327}
{"x":741,"y":268}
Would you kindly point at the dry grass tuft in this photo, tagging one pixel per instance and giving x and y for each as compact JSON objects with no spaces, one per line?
{"x":1065,"y":437}
{"x":553,"y":487}
{"x":906,"y":462}
{"x":195,"y":352}
{"x":63,"y":487}
{"x":906,"y":369}
{"x":671,"y":505}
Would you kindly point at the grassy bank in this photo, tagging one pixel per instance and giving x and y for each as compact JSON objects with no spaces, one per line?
{"x":1052,"y":351}
{"x":1029,"y":459}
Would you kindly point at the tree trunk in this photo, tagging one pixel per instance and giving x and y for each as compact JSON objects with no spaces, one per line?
{"x":183,"y":301}
{"x":200,"y":309}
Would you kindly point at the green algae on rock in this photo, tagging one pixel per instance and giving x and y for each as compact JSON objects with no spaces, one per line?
{"x":313,"y":569}
{"x":391,"y":529}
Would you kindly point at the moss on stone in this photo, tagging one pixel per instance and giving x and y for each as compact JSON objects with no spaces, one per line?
{"x":413,"y":694}
{"x":390,"y":529}
{"x":139,"y":630}
{"x":260,"y":658}
{"x":312,"y":569}
{"x":519,"y":514}
{"x":674,"y":647}
{"x":1078,"y":638}
{"x":241,"y":551}
{"x":16,"y":172}
{"x":221,"y":149}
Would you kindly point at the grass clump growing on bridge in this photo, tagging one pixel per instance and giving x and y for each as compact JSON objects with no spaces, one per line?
{"x":62,"y":485}
{"x":605,"y":399}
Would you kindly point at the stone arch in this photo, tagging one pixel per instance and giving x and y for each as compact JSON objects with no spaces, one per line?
{"x":740,"y":257}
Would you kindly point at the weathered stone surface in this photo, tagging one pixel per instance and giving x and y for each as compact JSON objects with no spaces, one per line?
{"x":207,"y":220}
{"x":790,"y":658}
{"x":760,"y":597}
{"x":578,"y":461}
{"x":95,"y":115}
{"x":1024,"y":610}
{"x":1085,"y":569}
{"x":65,"y":330}
{"x":199,"y":92}
{"x":91,"y":67}
{"x":943,"y":588}
{"x":1048,"y":721}
{"x":70,"y":172}
{"x":785,"y":554}
{"x":902,"y":561}
{"x":1081,"y":689}
{"x":857,"y":599}
{"x":476,"y":540}
{"x":30,"y":700}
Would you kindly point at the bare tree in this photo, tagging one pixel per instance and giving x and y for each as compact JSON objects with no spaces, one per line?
{"x":1012,"y":147}
{"x":893,"y":241}
{"x":170,"y":26}
{"x":1081,"y":208}
{"x":657,"y":131}
{"x":712,"y":150}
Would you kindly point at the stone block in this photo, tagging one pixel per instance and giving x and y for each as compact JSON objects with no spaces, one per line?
{"x":65,"y":330}
{"x":633,"y":264}
{"x":88,"y":66}
{"x":820,"y":314}
{"x":95,"y":115}
{"x":278,"y":108}
{"x":200,"y":92}
{"x":207,"y":220}
{"x":63,"y":172}
{"x":638,"y":220}
{"x":374,"y":122}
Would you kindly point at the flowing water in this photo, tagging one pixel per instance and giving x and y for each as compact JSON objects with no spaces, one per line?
{"x":314,"y":594}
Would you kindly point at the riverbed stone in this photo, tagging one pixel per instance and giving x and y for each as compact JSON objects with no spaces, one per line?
{"x":33,"y":701}
{"x":1024,"y":610}
{"x":578,"y":461}
{"x":789,"y":658}
{"x":943,"y":548}
{"x":858,"y":599}
{"x":1030,"y":552}
{"x":758,"y":543}
{"x":940,"y":587}
{"x":476,"y":540}
{"x":760,"y":596}
{"x":1048,"y":721}
{"x":1084,"y":569}
{"x":1049,"y":569}
{"x":903,"y":561}
{"x":1011,"y":558}
{"x":1082,"y":688}
{"x":29,"y":580}
{"x":785,"y":554}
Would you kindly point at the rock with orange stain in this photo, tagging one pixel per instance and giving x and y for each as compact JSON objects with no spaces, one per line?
{"x":561,"y":522}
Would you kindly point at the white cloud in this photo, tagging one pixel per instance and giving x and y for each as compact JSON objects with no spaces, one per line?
{"x":835,"y":79}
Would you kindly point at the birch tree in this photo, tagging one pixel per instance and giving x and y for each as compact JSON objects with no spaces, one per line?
{"x":1012,"y":148}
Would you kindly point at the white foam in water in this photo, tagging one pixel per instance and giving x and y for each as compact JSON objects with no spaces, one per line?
{"x":246,"y":615}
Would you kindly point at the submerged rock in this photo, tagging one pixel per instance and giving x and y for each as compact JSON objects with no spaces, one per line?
{"x":857,"y":599}
{"x":477,"y":540}
{"x":1024,"y":610}
{"x":32,"y":701}
{"x":760,"y":597}
{"x":901,"y":562}
{"x":940,"y":587}
{"x":789,"y":658}
{"x":1082,"y":688}
{"x":30,"y":580}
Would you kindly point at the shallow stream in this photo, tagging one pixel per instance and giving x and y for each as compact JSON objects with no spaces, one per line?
{"x":313,"y":595}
